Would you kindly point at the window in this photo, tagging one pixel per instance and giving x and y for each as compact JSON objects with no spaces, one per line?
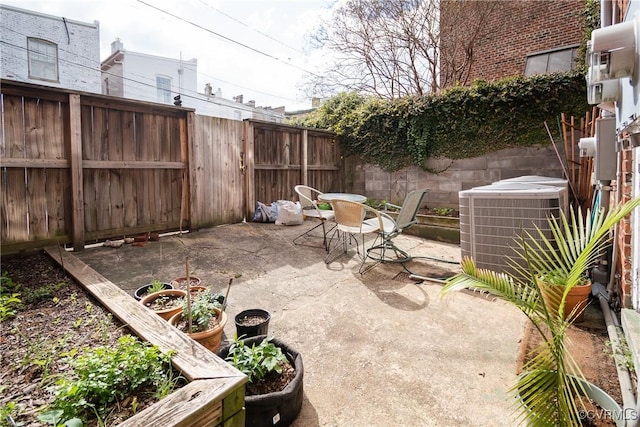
{"x":43,"y":59}
{"x":164,"y":89}
{"x":551,"y":62}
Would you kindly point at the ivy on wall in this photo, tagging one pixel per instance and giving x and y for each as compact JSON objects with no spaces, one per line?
{"x":460,"y":122}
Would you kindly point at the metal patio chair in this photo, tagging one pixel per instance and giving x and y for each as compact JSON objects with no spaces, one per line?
{"x":386,"y":250}
{"x":307,"y":197}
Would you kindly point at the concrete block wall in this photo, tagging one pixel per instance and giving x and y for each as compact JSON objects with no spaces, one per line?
{"x":448,"y":177}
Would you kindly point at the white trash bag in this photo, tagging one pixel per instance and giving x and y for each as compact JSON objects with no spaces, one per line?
{"x":289,"y":213}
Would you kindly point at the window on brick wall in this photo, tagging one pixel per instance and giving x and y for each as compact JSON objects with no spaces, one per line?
{"x":551,"y":61}
{"x":43,"y":59}
{"x":164,"y":89}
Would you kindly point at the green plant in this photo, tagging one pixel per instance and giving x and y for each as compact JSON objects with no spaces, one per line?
{"x":456,"y":123}
{"x":156,"y":286}
{"x":104,"y":376}
{"x":203,"y":309}
{"x":256,"y":361}
{"x":9,"y":297}
{"x":550,"y":388}
{"x":8,"y":306}
{"x":623,"y":355}
{"x":7,"y":412}
{"x":443,"y":211}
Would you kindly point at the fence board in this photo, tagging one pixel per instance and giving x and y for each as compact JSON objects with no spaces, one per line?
{"x":83,"y":167}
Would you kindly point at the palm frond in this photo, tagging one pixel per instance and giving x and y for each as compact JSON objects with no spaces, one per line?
{"x":552,"y":384}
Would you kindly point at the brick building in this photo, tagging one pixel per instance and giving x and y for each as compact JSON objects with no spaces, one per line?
{"x":489,"y":40}
{"x":49,"y":50}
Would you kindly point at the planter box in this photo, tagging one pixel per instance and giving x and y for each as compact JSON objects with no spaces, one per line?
{"x":439,"y":228}
{"x":215,"y":393}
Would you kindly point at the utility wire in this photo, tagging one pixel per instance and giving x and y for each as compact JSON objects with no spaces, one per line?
{"x":152,"y":84}
{"x":185,"y":94}
{"x":230,"y":40}
{"x":250,"y":27}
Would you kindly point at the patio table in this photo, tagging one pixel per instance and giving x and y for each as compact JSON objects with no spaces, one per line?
{"x":328,"y":197}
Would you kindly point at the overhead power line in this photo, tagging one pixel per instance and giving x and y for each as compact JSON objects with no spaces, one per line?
{"x":149,"y":82}
{"x":250,"y":27}
{"x":228,"y":39}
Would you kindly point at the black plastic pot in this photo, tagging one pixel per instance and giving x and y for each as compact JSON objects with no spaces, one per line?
{"x":279,"y":408}
{"x":248,"y":331}
{"x":142,"y":291}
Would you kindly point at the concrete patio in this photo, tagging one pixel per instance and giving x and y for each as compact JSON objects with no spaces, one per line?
{"x":379,"y":349}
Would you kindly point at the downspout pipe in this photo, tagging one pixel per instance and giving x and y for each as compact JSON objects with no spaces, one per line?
{"x":624,"y":377}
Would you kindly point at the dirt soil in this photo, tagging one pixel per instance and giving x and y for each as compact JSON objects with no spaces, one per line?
{"x":589,"y":345}
{"x":56,"y":315}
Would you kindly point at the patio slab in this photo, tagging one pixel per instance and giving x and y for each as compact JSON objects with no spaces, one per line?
{"x":379,"y":349}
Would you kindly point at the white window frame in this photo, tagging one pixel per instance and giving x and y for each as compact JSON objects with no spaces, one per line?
{"x":42,"y":59}
{"x":163,"y":86}
{"x":549,"y":54}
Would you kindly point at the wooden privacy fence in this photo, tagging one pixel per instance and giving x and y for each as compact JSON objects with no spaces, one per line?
{"x":279,"y":157}
{"x":80,"y":167}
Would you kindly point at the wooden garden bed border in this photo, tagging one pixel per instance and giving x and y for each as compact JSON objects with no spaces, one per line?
{"x":215,"y":393}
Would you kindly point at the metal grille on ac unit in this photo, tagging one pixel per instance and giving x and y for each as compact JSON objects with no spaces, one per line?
{"x":492,"y":216}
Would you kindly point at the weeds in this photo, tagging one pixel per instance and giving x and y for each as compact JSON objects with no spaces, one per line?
{"x":105,"y":376}
{"x":9,"y":297}
{"x":623,"y":356}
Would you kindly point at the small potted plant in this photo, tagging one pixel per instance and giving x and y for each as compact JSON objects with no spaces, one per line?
{"x":252,"y":322}
{"x":551,"y":387}
{"x":150,"y":288}
{"x":207,"y":319}
{"x":165,"y":303}
{"x":275,"y":374}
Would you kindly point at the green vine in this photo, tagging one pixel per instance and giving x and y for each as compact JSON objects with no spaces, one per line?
{"x":460,"y":122}
{"x":590,"y":21}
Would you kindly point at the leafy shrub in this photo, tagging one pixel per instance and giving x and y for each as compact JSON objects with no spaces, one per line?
{"x":256,"y":361}
{"x":105,"y":376}
{"x":458,"y":123}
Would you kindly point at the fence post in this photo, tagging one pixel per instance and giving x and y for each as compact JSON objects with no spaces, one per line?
{"x":77,"y":191}
{"x":304,"y":157}
{"x":248,"y":169}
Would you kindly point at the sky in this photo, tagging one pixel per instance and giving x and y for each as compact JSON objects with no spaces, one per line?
{"x":269,"y":68}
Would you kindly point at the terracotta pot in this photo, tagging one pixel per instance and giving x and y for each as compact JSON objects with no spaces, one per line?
{"x":181,"y":282}
{"x":167,"y":312}
{"x":578,"y":297}
{"x":210,"y":338}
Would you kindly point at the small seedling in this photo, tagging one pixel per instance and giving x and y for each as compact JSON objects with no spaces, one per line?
{"x":156,"y":286}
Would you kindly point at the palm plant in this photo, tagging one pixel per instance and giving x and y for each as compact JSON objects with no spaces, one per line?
{"x":553,"y":382}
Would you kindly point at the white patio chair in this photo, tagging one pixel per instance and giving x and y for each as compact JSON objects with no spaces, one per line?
{"x":307,"y":197}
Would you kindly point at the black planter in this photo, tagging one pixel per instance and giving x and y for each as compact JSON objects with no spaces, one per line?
{"x":279,"y":408}
{"x":248,"y":331}
{"x":142,"y":291}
